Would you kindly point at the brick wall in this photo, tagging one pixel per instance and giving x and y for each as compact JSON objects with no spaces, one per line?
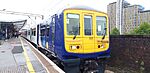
{"x":130,"y":52}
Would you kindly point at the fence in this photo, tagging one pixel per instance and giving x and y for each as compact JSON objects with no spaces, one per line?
{"x":130,"y":51}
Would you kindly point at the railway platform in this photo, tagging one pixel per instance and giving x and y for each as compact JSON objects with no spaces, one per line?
{"x":19,"y":56}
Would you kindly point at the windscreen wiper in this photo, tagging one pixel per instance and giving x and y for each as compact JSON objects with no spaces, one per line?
{"x":104,"y":34}
{"x":74,"y":36}
{"x":76,"y":33}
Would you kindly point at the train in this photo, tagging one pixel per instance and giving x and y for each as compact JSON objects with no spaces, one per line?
{"x":77,"y":37}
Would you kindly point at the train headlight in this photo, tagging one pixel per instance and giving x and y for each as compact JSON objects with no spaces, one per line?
{"x":73,"y":47}
{"x":102,"y":46}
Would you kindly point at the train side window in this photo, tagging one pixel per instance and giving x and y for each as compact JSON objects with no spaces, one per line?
{"x":47,"y":32}
{"x":73,"y":24}
{"x":100,"y":25}
{"x":47,"y":28}
{"x":28,"y":32}
{"x":42,"y":32}
{"x":34,"y":32}
{"x":88,"y":25}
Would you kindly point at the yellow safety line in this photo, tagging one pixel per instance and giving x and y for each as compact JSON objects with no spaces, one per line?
{"x":28,"y":62}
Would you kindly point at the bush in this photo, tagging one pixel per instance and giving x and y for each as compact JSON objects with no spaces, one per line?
{"x":143,"y":29}
{"x":115,"y":31}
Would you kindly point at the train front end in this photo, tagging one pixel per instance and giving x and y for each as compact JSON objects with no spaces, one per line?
{"x":86,"y":33}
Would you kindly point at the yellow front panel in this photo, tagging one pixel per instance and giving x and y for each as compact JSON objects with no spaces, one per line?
{"x":86,"y":43}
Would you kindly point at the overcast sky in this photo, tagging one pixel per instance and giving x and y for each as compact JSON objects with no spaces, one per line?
{"x":47,"y":7}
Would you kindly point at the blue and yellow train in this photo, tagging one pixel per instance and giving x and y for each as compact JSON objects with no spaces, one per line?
{"x":76,"y":36}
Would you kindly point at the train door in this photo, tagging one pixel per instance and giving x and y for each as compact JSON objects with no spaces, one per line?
{"x":51,"y":34}
{"x":33,"y":35}
{"x":42,"y":36}
{"x":88,"y":33}
{"x":38,"y":33}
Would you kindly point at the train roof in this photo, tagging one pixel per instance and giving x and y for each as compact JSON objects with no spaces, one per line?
{"x":80,"y":8}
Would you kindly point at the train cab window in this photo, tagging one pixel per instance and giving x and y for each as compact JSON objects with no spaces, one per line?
{"x":87,"y":25}
{"x":101,"y":25}
{"x":73,"y":24}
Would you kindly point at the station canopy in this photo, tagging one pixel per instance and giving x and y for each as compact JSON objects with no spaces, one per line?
{"x":13,"y":25}
{"x":19,"y":24}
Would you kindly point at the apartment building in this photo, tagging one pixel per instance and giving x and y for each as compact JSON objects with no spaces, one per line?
{"x":132,"y":16}
{"x":111,"y":11}
{"x":145,"y":16}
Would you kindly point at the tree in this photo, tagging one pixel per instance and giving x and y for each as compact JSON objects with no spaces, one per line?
{"x":115,"y":31}
{"x":143,"y":29}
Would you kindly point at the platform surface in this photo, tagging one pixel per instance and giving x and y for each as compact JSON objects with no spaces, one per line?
{"x":17,"y":57}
